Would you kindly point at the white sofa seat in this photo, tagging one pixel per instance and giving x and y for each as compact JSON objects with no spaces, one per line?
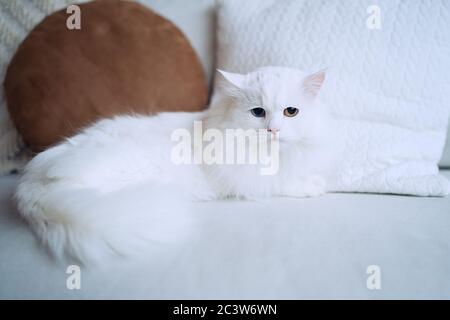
{"x":276,"y":248}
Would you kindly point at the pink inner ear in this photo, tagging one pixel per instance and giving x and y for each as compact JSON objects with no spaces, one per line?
{"x":313,"y":83}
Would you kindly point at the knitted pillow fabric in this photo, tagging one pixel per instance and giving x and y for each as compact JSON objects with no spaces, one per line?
{"x":387,"y":87}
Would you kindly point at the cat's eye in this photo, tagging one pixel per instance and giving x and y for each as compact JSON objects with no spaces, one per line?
{"x":290,"y":112}
{"x":258,"y":112}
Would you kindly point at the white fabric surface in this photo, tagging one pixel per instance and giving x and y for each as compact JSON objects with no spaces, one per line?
{"x":388,"y":88}
{"x":278,"y":248}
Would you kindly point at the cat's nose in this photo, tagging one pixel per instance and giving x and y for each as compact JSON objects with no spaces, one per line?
{"x":272,"y":130}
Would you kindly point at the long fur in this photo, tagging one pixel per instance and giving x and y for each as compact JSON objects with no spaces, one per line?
{"x":113,"y":189}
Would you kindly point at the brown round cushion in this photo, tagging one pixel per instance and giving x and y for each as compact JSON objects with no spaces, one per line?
{"x":124,"y":59}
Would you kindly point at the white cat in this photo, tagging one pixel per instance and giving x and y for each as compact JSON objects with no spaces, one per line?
{"x":113,"y":184}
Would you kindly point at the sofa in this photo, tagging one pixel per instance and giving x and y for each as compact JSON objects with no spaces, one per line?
{"x":337,"y":246}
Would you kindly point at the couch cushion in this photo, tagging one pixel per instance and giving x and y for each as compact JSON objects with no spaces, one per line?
{"x":278,"y":248}
{"x":196,"y":21}
{"x":124,"y":59}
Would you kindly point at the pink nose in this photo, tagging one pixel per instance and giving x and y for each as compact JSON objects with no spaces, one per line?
{"x":273,"y":130}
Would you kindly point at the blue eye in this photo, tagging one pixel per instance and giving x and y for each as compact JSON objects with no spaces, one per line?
{"x":258,"y":112}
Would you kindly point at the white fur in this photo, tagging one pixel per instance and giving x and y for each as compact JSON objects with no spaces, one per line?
{"x":113,"y":185}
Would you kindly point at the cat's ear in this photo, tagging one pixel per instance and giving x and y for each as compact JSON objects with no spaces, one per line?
{"x":235,"y":79}
{"x":313,"y":83}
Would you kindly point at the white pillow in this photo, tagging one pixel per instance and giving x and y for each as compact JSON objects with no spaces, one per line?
{"x":388,"y":88}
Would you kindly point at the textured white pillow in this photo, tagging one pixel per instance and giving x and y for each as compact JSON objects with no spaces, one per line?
{"x":388,"y":88}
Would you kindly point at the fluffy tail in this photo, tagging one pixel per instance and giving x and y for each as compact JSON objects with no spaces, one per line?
{"x":89,"y":226}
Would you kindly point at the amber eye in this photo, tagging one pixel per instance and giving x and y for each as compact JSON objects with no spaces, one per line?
{"x":290,"y":112}
{"x":258,"y":112}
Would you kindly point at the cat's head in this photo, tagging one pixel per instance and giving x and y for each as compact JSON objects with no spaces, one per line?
{"x":277,"y":99}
